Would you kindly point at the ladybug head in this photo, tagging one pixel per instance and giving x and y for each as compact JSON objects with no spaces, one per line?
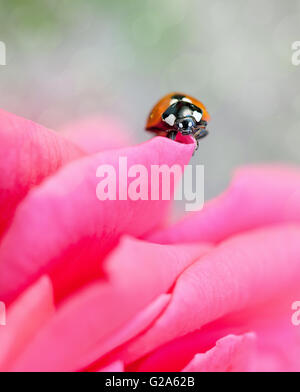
{"x":183,"y":117}
{"x":186,"y":125}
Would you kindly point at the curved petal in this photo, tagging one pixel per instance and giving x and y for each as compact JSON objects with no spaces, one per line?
{"x":97,"y":133}
{"x":230,"y":354}
{"x":135,"y":326}
{"x":136,"y":267}
{"x":74,"y":357}
{"x":277,"y":340}
{"x":71,"y":230}
{"x":176,"y":354}
{"x":24,"y":319}
{"x":243,"y":272}
{"x":278,"y":347}
{"x":28,"y":154}
{"x":257,"y":196}
{"x":102,"y":310}
{"x":117,"y":366}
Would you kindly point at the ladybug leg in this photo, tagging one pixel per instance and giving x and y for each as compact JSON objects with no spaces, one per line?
{"x":201,"y":133}
{"x":198,"y":137}
{"x":172,"y":135}
{"x":197,"y":145}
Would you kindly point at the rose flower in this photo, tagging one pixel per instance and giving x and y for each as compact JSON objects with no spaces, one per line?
{"x":111,"y":285}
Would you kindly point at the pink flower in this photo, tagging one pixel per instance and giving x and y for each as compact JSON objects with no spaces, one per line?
{"x":109,"y":286}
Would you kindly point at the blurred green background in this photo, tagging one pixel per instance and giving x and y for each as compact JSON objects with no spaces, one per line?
{"x":68,"y":59}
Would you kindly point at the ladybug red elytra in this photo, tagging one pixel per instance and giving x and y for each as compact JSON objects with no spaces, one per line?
{"x":177,"y":112}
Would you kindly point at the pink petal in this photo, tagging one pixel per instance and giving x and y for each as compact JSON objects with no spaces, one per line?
{"x":71,"y":230}
{"x":67,"y":357}
{"x":176,"y":354}
{"x":257,"y":196}
{"x":136,"y":267}
{"x":278,"y":340}
{"x":113,"y":367}
{"x":97,"y":133}
{"x":242,"y":272}
{"x":24,"y":318}
{"x":28,"y":154}
{"x":277,"y":346}
{"x":135,"y":326}
{"x":136,"y":278}
{"x":230,"y":354}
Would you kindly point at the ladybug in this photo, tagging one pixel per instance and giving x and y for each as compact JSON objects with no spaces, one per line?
{"x":177,"y":112}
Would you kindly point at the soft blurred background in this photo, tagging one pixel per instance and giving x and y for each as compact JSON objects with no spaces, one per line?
{"x":68,"y":59}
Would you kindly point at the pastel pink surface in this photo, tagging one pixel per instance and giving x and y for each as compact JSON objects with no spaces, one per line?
{"x":278,"y":343}
{"x":71,"y":230}
{"x":241,"y":273}
{"x":97,"y":133}
{"x":24,"y":319}
{"x":156,"y":306}
{"x":96,"y":314}
{"x":113,"y":367}
{"x":176,"y":354}
{"x":138,"y":324}
{"x":28,"y":154}
{"x":277,"y":340}
{"x":257,"y":196}
{"x":230,"y":354}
